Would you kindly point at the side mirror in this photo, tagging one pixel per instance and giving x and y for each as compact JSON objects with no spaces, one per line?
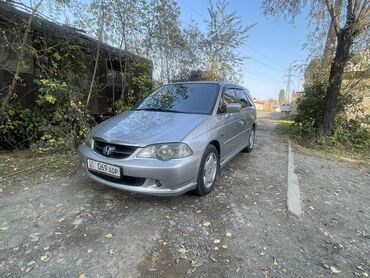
{"x":233,"y":107}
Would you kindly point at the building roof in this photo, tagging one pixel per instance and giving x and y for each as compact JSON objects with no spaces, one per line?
{"x":11,"y":16}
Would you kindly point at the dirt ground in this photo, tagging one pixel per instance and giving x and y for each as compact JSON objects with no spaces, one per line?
{"x":63,"y":225}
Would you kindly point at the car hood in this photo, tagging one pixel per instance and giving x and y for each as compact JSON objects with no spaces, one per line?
{"x":147,"y":127}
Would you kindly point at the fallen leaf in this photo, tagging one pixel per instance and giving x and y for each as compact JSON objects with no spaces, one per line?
{"x":216,"y":248}
{"x":206,"y":224}
{"x":225,"y":246}
{"x":216,"y":241}
{"x":46,"y":248}
{"x":108,"y":235}
{"x":44,"y":258}
{"x":82,"y":276}
{"x":41,"y":205}
{"x":182,"y":250}
{"x":237,"y":269}
{"x":28,"y":269}
{"x":89,"y":251}
{"x":1,"y":190}
{"x":168,"y":216}
{"x":334,"y":270}
{"x":365,"y":274}
{"x":228,"y":234}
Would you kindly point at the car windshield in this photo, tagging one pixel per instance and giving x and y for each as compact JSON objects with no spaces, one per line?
{"x":193,"y":98}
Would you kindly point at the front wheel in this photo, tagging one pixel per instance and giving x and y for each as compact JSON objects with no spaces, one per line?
{"x":208,"y":171}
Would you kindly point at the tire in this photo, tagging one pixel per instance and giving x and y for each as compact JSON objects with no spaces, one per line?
{"x":212,"y":156}
{"x":252,"y":136}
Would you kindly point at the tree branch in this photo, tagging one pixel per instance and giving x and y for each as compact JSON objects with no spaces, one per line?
{"x":334,"y":17}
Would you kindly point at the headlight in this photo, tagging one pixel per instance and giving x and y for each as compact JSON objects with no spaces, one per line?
{"x":166,"y":151}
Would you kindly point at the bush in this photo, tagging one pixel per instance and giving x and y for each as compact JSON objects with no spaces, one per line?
{"x":349,"y":132}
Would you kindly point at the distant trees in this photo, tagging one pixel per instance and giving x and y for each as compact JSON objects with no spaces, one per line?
{"x":225,"y":34}
{"x":153,"y":29}
{"x":281,"y":98}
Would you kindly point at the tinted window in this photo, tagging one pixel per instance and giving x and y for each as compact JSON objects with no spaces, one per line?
{"x":228,"y":96}
{"x":195,"y":98}
{"x":242,"y":98}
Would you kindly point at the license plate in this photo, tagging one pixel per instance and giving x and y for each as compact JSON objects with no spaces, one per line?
{"x":104,"y":168}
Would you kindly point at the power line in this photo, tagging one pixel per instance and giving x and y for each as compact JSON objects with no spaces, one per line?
{"x":265,"y":56}
{"x":262,"y":76}
{"x":195,"y":11}
{"x":263,"y":64}
{"x":261,"y":80}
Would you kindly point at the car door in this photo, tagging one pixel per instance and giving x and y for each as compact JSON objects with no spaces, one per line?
{"x":251,"y":109}
{"x":245,"y":118}
{"x":230,"y":123}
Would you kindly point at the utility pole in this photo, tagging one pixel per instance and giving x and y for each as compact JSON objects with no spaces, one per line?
{"x":287,"y":92}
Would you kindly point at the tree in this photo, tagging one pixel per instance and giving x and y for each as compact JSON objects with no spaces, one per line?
{"x":23,"y":46}
{"x":314,"y":72}
{"x":281,"y":98}
{"x":225,"y":35}
{"x":356,"y":21}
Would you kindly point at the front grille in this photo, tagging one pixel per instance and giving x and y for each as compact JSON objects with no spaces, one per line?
{"x":120,"y":151}
{"x":126,"y":180}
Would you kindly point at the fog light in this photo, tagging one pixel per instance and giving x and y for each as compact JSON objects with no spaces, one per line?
{"x":158,"y":183}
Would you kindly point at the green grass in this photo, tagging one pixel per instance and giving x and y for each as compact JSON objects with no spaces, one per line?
{"x":286,"y":130}
{"x":26,"y":162}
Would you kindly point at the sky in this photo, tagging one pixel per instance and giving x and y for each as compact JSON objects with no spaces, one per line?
{"x":271,"y":47}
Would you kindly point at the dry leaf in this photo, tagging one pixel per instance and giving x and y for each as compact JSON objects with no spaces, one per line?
{"x":28,"y":269}
{"x":216,"y":241}
{"x":334,"y":270}
{"x":82,"y":276}
{"x":182,"y":250}
{"x":225,"y":246}
{"x":89,"y":251}
{"x":228,"y":234}
{"x":365,"y":274}
{"x":237,"y":269}
{"x":216,"y":248}
{"x":206,"y":224}
{"x":46,"y":248}
{"x":108,"y":235}
{"x":44,"y":258}
{"x":168,"y":216}
{"x":1,"y":190}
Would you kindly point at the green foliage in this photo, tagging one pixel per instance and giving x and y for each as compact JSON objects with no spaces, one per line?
{"x":349,"y":132}
{"x":21,"y":127}
{"x":281,"y":99}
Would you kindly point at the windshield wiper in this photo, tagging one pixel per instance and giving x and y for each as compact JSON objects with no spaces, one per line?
{"x":158,"y":110}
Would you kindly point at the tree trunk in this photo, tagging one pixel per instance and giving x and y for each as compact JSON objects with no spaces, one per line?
{"x":331,"y":39}
{"x":97,"y":55}
{"x":13,"y":85}
{"x":342,"y":55}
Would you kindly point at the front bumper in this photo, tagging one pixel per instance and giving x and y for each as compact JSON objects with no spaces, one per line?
{"x":176,"y":176}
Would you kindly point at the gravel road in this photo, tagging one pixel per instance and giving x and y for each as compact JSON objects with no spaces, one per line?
{"x":67,"y":226}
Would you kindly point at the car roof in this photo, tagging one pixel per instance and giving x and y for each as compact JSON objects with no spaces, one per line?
{"x":221,"y":83}
{"x":204,"y":81}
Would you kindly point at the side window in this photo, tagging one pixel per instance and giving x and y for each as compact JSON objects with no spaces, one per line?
{"x":249,"y":97}
{"x":242,"y":97}
{"x":228,"y":96}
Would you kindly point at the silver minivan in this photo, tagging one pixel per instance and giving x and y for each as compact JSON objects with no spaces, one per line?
{"x":174,"y":140}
